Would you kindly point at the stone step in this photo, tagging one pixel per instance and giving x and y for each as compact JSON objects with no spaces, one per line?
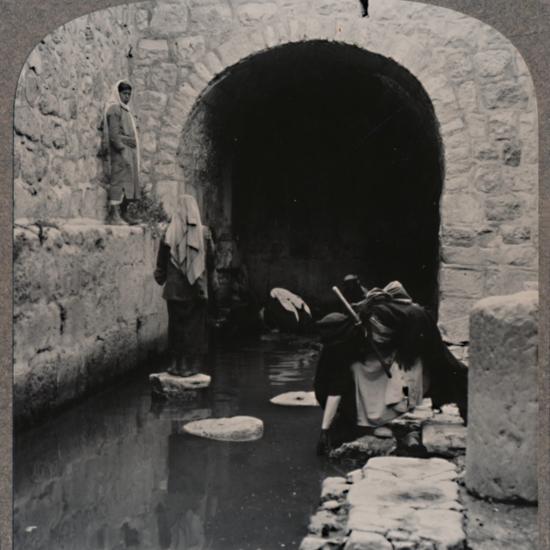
{"x":184,"y":388}
{"x":235,"y":428}
{"x":393,"y":502}
{"x":295,"y":399}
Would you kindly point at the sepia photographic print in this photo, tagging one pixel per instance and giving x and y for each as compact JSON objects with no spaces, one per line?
{"x":276,"y":277}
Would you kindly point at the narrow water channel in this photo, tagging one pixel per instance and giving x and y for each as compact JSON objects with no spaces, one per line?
{"x":117,"y":472}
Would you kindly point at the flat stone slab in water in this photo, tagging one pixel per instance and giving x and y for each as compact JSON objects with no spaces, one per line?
{"x":236,"y":428}
{"x":296,"y":399}
{"x":168,"y":386}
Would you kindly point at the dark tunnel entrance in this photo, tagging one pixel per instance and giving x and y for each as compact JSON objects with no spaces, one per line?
{"x":322,"y":159}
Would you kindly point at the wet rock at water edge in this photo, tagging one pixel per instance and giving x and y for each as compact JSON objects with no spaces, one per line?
{"x":235,"y":428}
{"x":168,"y":386}
{"x":444,"y":439}
{"x":365,"y":447}
{"x":313,"y":542}
{"x":295,"y":399}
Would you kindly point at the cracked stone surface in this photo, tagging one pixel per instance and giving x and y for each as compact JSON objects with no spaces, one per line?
{"x":410,"y":494}
{"x":235,"y":428}
{"x":168,"y":386}
{"x":392,"y":503}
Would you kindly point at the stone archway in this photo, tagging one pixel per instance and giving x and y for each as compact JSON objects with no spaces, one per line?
{"x":321,"y":159}
{"x":485,"y":105}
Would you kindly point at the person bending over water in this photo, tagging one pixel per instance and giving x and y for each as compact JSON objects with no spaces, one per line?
{"x":371,"y":372}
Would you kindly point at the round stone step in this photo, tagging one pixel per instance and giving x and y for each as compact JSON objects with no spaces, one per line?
{"x":295,"y":399}
{"x":235,"y":428}
{"x":168,"y":386}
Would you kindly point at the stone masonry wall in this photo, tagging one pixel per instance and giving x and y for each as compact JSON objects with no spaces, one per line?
{"x":173,"y":49}
{"x":480,"y":86}
{"x":59,"y":107}
{"x":86,"y":309}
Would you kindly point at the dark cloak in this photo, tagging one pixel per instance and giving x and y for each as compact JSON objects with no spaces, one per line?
{"x":417,"y":336}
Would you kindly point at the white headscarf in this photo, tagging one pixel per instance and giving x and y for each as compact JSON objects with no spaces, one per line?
{"x":114,"y":99}
{"x":186,"y":240}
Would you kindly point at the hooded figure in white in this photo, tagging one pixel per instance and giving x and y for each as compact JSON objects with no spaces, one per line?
{"x":121,"y":148}
{"x":185,"y":266}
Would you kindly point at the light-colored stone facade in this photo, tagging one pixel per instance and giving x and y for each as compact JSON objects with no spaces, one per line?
{"x":173,"y":51}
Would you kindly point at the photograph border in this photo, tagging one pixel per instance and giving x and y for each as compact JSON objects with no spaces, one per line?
{"x":24,"y":23}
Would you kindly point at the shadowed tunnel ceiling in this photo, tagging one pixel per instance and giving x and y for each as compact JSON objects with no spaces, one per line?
{"x":324,"y":159}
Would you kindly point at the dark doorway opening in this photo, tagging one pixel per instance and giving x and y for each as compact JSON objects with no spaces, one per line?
{"x":322,"y":159}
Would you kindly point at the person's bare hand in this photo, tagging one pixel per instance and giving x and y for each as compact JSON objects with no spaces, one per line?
{"x":323,"y":445}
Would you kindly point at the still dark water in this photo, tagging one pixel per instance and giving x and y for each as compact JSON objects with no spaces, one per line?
{"x":116,"y":472}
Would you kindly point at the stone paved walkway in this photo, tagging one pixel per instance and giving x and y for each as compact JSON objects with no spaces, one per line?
{"x":392,"y":503}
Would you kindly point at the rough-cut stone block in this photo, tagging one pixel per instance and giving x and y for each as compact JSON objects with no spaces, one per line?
{"x":167,"y":386}
{"x":461,"y":282}
{"x":334,"y":488}
{"x":409,"y":468}
{"x":168,"y":19}
{"x":153,"y":50}
{"x":313,"y":543}
{"x":503,"y":209}
{"x":167,"y":192}
{"x":443,"y":527}
{"x":503,"y":95}
{"x":188,"y":49}
{"x":444,"y":439}
{"x":414,"y":497}
{"x":361,"y":540}
{"x":461,"y":208}
{"x":502,"y":430}
{"x":296,"y":399}
{"x":493,"y":64}
{"x":365,"y":447}
{"x":209,"y":18}
{"x":27,"y":124}
{"x":323,"y":521}
{"x":236,"y":428}
{"x":515,"y":234}
{"x":387,"y":491}
{"x":66,"y":276}
{"x":253,"y":13}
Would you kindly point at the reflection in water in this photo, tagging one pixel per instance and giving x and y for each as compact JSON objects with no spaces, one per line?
{"x":118,"y":472}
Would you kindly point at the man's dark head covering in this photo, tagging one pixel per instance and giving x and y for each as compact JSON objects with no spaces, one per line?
{"x":124,"y":86}
{"x":352,"y":289}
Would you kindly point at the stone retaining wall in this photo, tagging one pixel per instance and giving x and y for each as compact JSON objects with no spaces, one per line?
{"x":86,"y":309}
